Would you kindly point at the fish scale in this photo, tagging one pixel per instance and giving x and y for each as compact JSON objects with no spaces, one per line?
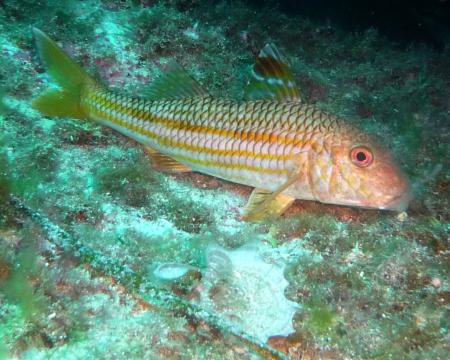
{"x":272,"y":141}
{"x":256,"y":137}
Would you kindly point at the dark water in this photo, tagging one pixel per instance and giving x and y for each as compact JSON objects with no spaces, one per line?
{"x":403,"y":21}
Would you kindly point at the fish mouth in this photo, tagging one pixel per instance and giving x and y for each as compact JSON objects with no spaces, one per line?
{"x":399,"y":202}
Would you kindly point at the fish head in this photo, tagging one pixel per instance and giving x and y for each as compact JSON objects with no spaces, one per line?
{"x":353,"y":169}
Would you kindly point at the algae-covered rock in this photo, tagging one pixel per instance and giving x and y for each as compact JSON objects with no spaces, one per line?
{"x":103,"y":257}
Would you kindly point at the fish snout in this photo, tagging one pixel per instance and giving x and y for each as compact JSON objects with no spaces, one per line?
{"x":399,"y":202}
{"x":399,"y":191}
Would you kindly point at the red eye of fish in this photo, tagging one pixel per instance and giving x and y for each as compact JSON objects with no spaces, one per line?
{"x":361,"y":156}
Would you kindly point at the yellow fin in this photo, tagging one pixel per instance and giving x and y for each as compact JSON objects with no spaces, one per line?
{"x":165,"y":163}
{"x":69,"y":76}
{"x":262,"y":205}
{"x":58,"y":103}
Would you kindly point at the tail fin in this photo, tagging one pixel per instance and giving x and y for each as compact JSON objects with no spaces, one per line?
{"x":69,"y":76}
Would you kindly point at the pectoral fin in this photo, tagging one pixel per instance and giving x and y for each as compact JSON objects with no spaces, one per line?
{"x":262,"y":205}
{"x":165,"y":163}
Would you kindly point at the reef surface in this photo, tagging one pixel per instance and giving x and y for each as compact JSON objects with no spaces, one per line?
{"x":102,"y":257}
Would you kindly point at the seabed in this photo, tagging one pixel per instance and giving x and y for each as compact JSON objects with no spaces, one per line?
{"x":102,"y":257}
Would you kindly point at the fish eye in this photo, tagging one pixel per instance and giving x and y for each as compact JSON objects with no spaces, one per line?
{"x":361,"y":156}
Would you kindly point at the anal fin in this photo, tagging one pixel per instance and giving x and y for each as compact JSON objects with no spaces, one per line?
{"x":165,"y":163}
{"x":262,"y":205}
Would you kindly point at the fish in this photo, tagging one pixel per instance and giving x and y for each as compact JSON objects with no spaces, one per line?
{"x":272,"y":140}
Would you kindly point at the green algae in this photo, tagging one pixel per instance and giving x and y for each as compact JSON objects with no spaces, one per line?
{"x":370,"y":285}
{"x":4,"y":189}
{"x":3,"y":350}
{"x":17,"y":287}
{"x":24,"y":304}
{"x":128,"y":183}
{"x":321,"y":319}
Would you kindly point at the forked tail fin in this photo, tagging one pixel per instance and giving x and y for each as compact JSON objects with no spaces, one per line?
{"x":70,"y":77}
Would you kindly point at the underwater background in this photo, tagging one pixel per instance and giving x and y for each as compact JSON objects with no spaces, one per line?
{"x":102,"y":257}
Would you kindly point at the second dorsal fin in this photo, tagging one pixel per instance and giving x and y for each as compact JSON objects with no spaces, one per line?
{"x":272,"y":78}
{"x":174,"y":83}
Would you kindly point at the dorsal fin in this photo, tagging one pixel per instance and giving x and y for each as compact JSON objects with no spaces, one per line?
{"x":272,"y":78}
{"x":174,"y":83}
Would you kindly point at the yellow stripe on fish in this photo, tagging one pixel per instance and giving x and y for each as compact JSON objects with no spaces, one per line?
{"x":273,"y":141}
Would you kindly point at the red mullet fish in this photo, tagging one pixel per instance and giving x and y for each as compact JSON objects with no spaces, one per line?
{"x":273,"y":141}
